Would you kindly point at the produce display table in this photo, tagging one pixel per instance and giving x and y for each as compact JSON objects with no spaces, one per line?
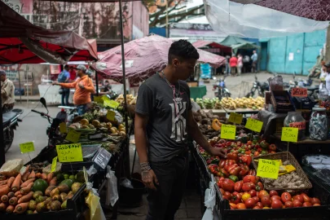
{"x":198,"y":92}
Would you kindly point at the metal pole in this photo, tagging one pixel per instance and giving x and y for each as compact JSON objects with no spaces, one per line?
{"x":97,"y":83}
{"x":19,"y":84}
{"x":123,"y":59}
{"x":2,"y":142}
{"x":167,"y":32}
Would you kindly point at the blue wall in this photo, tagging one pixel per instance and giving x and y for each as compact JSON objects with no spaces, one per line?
{"x":305,"y":48}
{"x":158,"y":31}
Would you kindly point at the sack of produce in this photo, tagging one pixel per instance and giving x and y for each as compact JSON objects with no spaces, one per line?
{"x":11,"y":167}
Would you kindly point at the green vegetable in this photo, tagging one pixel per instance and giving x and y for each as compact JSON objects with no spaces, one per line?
{"x":233,"y":178}
{"x":66,"y":176}
{"x":67,"y":182}
{"x":39,"y":185}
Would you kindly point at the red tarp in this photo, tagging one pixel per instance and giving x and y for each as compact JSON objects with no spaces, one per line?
{"x":92,"y":0}
{"x":40,"y":45}
{"x":318,"y":10}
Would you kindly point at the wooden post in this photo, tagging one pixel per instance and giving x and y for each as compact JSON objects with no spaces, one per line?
{"x":327,"y":46}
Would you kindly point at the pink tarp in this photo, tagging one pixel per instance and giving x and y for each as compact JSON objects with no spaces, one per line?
{"x":143,"y":58}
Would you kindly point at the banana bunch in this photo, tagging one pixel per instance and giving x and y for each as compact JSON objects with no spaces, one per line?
{"x":228,"y":103}
{"x":131,"y":100}
{"x":252,"y":103}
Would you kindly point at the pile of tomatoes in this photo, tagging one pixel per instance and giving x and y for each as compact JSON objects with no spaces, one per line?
{"x":239,"y":184}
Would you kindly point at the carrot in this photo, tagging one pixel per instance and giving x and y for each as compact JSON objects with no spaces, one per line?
{"x":38,"y":175}
{"x":27,"y":170}
{"x":50,"y":177}
{"x":44,"y":176}
{"x":53,"y":181}
{"x":26,"y":183}
{"x":27,"y":189}
{"x":19,"y":196}
{"x":4,"y":190}
{"x":3,"y":182}
{"x":10,"y":209}
{"x":25,"y":176}
{"x":11,"y":194}
{"x":16,"y":184}
{"x":17,"y":193}
{"x":32,"y":175}
{"x":2,"y":207}
{"x":10,"y":181}
{"x":4,"y":198}
{"x":26,"y":198}
{"x":13,"y":201}
{"x":21,"y":208}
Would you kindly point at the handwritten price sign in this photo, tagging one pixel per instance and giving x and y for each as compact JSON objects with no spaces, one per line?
{"x":54,"y":163}
{"x":26,"y":147}
{"x":98,"y":99}
{"x":63,"y":128}
{"x":69,"y":153}
{"x":299,"y":92}
{"x":254,"y":125}
{"x":289,"y":134}
{"x":111,"y":104}
{"x":228,"y":132}
{"x":235,"y":118}
{"x":111,"y":115}
{"x":268,"y":168}
{"x":73,"y":136}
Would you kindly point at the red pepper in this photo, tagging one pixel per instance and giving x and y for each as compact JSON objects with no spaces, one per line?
{"x":220,"y":182}
{"x":213,"y":168}
{"x":244,"y":170}
{"x":224,"y":171}
{"x":250,"y":178}
{"x":247,"y":159}
{"x":238,"y":186}
{"x":232,"y":156}
{"x":222,"y":163}
{"x":228,"y":163}
{"x":233,"y":169}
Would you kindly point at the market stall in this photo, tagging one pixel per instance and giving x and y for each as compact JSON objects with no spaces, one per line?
{"x":275,"y":159}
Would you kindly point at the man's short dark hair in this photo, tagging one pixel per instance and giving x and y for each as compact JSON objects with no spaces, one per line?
{"x":182,"y":50}
{"x":66,"y":67}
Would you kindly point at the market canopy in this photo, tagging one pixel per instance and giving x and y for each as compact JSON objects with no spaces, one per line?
{"x":24,"y":43}
{"x":205,"y":43}
{"x":238,"y":43}
{"x":144,"y":57}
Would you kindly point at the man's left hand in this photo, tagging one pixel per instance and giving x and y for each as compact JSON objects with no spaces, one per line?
{"x":215,"y":151}
{"x":81,"y":86}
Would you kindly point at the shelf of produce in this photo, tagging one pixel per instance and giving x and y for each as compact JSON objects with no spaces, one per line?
{"x":238,"y":110}
{"x":223,"y":209}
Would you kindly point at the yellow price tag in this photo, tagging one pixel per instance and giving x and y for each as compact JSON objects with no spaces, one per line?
{"x":69,"y":153}
{"x":111,"y":115}
{"x":63,"y":128}
{"x":254,"y":125}
{"x":228,"y":132}
{"x":73,"y":136}
{"x":54,"y":163}
{"x":268,"y":168}
{"x":235,"y":118}
{"x":289,"y":134}
{"x":113,"y":104}
{"x":26,"y":147}
{"x":98,"y":99}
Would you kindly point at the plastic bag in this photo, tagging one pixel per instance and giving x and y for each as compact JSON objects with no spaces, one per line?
{"x":95,"y":210}
{"x":11,"y":167}
{"x":112,"y":190}
{"x":209,"y":201}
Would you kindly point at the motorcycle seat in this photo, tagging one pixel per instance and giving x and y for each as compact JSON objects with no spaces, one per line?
{"x":8,"y":116}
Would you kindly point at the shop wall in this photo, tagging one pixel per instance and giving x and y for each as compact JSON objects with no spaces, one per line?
{"x":294,"y":53}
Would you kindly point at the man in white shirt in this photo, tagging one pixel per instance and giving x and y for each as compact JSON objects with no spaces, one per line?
{"x":254,"y":59}
{"x":7,"y":92}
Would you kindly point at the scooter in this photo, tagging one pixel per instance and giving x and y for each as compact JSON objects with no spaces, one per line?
{"x":261,"y":87}
{"x":10,"y":123}
{"x":221,"y":89}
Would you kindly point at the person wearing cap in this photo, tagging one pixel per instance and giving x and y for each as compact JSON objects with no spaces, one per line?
{"x":64,"y":77}
{"x":84,"y":88}
{"x":7,"y":92}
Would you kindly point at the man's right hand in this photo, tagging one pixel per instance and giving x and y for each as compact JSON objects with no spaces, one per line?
{"x":55,"y":83}
{"x":149,"y":179}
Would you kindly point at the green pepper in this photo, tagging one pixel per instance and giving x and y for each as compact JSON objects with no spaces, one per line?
{"x":215,"y":161}
{"x":233,"y":178}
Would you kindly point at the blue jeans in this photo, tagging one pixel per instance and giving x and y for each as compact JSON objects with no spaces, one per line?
{"x":228,"y":70}
{"x":65,"y":96}
{"x":81,"y":109}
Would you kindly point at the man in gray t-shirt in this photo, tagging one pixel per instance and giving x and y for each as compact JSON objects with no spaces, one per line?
{"x":163,"y":120}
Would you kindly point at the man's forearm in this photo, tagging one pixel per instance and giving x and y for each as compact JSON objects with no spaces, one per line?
{"x":196,"y":134}
{"x":141,"y":144}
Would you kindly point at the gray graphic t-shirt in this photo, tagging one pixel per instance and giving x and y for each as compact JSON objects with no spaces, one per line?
{"x":167,"y":112}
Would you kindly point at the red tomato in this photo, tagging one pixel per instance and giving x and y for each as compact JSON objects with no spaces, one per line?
{"x":277,"y":204}
{"x":259,"y":186}
{"x":249,"y":178}
{"x":236,"y":198}
{"x":233,"y":206}
{"x":306,"y":197}
{"x":256,"y":207}
{"x":241,"y":206}
{"x":288,"y":204}
{"x":248,"y":186}
{"x":316,"y":204}
{"x":259,"y":204}
{"x":263,"y":193}
{"x":256,"y":153}
{"x":222,"y":191}
{"x":273,"y":193}
{"x":307,"y":204}
{"x":253,"y":193}
{"x":276,"y":197}
{"x":228,"y":185}
{"x":227,"y":195}
{"x":238,"y":186}
{"x":315,"y":201}
{"x":299,"y":198}
{"x":296,"y":203}
{"x":249,"y":203}
{"x":285,"y":197}
{"x":256,"y":199}
{"x":265,"y":201}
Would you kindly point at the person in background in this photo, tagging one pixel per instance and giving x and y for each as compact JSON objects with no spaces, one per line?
{"x":107,"y":86}
{"x":327,"y":78}
{"x":84,"y":88}
{"x":227,"y":65}
{"x":64,"y":77}
{"x":73,"y":74}
{"x":163,"y":123}
{"x":246,"y":64}
{"x":7,"y":92}
{"x":254,"y":59}
{"x":239,"y":64}
{"x":323,"y":71}
{"x":233,"y":65}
